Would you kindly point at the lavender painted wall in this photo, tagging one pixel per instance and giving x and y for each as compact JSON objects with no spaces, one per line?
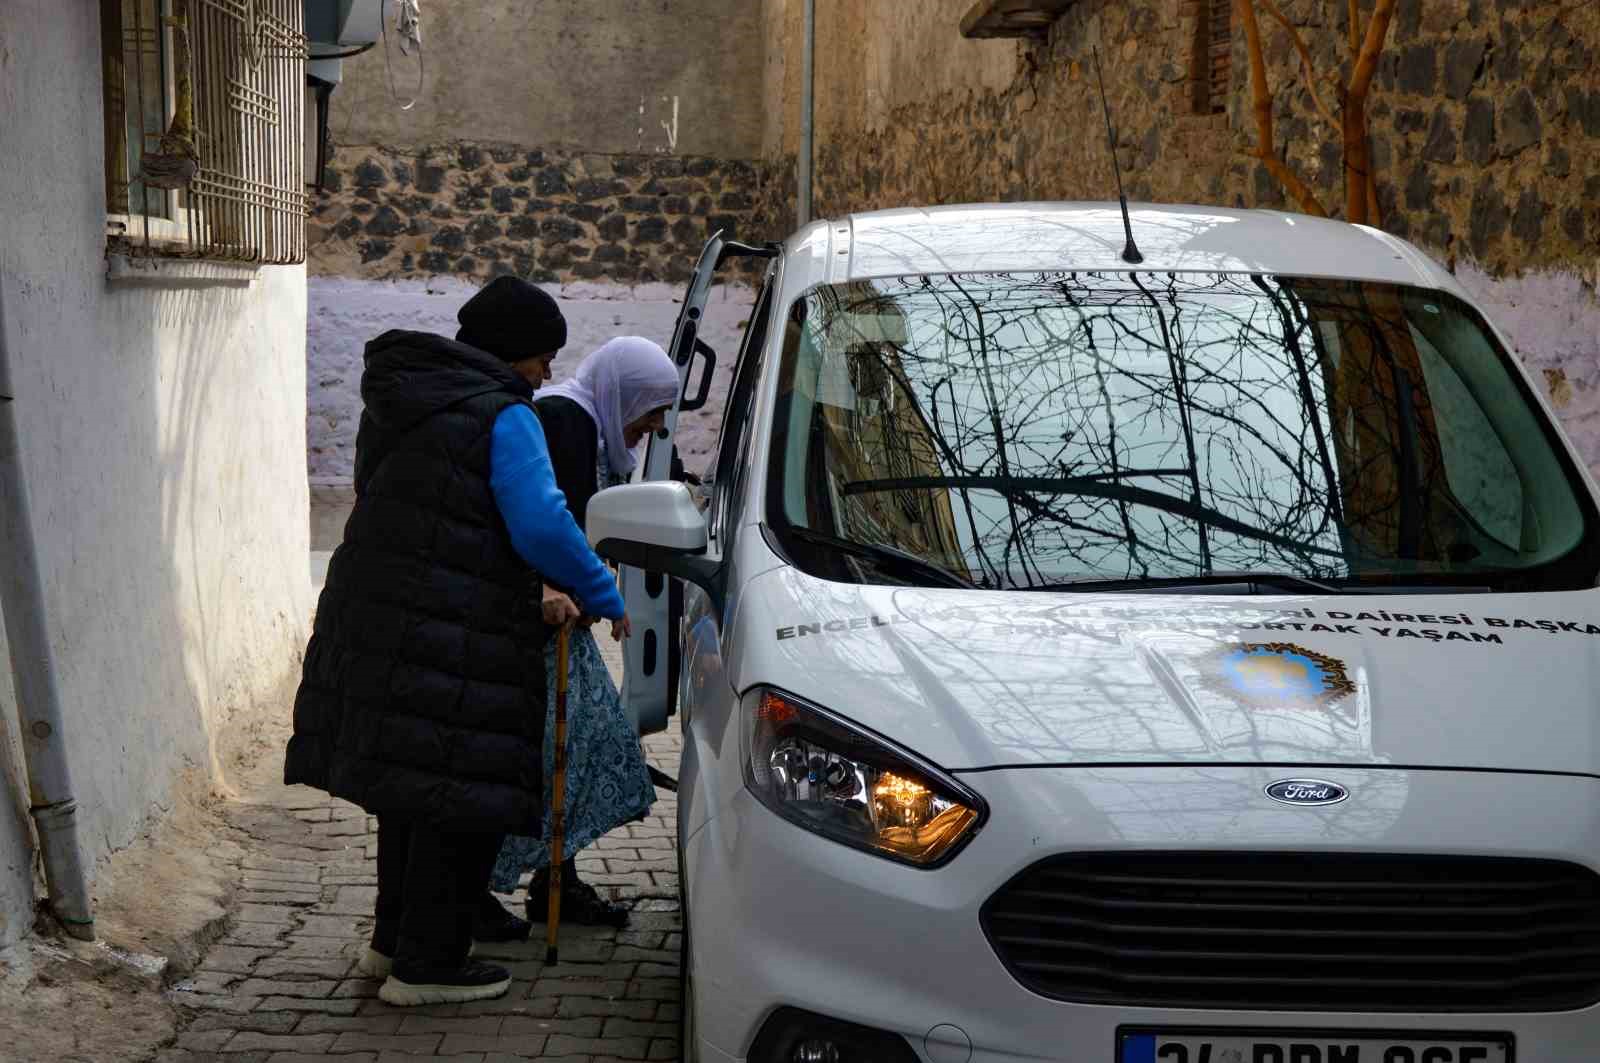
{"x":1553,"y":321}
{"x":344,"y":313}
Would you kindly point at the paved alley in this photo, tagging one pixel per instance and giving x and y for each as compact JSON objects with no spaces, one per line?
{"x":281,"y":986}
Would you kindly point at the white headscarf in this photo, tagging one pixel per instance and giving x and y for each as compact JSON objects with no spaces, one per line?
{"x":617,"y":384}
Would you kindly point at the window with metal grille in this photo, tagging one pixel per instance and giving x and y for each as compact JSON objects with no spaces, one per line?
{"x":204,"y":127}
{"x":1211,"y":55}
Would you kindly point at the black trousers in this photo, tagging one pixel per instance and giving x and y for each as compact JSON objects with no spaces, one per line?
{"x":429,"y":882}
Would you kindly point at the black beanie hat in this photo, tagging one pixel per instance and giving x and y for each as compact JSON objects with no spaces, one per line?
{"x":512,"y":320}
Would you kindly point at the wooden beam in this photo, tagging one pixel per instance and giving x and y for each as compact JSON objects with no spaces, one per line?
{"x":1012,"y":18}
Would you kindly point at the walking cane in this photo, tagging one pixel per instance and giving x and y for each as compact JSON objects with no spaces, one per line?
{"x":558,"y":799}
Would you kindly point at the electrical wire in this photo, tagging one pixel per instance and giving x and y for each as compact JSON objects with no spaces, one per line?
{"x":408,"y":26}
{"x":350,"y":54}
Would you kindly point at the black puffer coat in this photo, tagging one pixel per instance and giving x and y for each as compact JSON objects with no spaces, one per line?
{"x":423,"y":690}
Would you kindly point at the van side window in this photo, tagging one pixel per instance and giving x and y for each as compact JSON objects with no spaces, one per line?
{"x":1480,"y":472}
{"x":733,"y":442}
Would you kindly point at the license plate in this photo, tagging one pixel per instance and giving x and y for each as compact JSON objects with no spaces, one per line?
{"x":1297,"y":1046}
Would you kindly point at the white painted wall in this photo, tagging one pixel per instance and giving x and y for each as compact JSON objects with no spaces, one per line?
{"x":163,"y":433}
{"x":343,"y":314}
{"x":16,"y":829}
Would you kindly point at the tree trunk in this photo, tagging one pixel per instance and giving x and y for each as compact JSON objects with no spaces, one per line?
{"x":1357,"y":166}
{"x":1357,"y":161}
{"x":1261,"y":95}
{"x":1374,"y":215}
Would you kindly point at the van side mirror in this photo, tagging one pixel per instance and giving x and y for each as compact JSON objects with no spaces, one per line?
{"x":655,"y":526}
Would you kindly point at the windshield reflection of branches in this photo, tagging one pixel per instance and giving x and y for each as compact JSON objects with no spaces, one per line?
{"x":1209,"y":390}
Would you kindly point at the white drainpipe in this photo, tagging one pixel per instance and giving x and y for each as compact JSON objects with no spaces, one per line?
{"x":807,"y":66}
{"x":33,"y":669}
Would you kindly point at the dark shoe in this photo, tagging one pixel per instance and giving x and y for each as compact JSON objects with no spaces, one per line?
{"x":581,"y":903}
{"x":411,"y":983}
{"x":492,"y":923}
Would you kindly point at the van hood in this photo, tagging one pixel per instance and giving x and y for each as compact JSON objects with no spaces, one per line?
{"x":978,"y":679}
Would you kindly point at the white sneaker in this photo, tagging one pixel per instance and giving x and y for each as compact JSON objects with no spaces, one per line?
{"x":472,"y":981}
{"x":375,"y":964}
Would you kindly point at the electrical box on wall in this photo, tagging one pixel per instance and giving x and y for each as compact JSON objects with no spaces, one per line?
{"x":336,"y":30}
{"x":363,"y":21}
{"x":343,"y":24}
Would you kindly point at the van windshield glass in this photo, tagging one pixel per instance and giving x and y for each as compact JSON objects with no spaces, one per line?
{"x":1062,"y":429}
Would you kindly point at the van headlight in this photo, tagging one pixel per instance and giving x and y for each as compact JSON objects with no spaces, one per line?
{"x":845,"y":783}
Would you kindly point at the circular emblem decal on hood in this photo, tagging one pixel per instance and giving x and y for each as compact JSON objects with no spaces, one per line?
{"x":1307,"y":792}
{"x":1278,"y":675}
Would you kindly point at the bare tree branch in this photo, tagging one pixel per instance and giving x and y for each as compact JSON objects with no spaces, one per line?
{"x":1261,"y":95}
{"x":1357,"y":165}
{"x":1305,"y":59}
{"x":1293,"y":184}
{"x":1366,"y":45}
{"x":1262,"y":105}
{"x":1371,"y":48}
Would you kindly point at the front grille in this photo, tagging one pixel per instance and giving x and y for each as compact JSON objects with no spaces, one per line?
{"x":1316,"y":932}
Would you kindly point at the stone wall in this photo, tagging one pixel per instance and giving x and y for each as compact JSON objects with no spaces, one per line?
{"x":478,"y":210}
{"x":1485,"y":127}
{"x":562,"y":140}
{"x":1485,"y":118}
{"x":641,"y":76}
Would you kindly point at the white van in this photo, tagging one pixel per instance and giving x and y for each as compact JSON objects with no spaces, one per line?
{"x":1189,"y":662}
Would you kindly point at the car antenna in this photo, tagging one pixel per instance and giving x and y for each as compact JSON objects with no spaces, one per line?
{"x":1130,"y":253}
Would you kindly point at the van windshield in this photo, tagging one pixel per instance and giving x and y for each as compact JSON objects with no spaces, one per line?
{"x":1051,"y":430}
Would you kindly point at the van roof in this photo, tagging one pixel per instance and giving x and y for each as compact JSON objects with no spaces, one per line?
{"x":1030,"y":237}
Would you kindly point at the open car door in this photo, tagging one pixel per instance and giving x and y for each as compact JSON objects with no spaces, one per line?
{"x":649,"y":684}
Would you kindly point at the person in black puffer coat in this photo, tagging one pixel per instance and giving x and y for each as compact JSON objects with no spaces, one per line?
{"x":423,"y":693}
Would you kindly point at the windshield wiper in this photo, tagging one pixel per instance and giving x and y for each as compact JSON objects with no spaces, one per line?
{"x":1253,"y":582}
{"x":1249,"y":582}
{"x":1091,"y":487}
{"x":885,"y":557}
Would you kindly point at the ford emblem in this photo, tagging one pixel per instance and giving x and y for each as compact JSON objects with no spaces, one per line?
{"x":1307,"y":792}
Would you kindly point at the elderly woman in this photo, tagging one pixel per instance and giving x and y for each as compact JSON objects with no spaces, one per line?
{"x":428,"y":650}
{"x":593,"y":423}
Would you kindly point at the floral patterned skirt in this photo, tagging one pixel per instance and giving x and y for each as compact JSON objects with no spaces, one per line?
{"x":608,"y":783}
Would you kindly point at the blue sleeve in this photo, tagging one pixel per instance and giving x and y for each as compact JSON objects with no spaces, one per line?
{"x":535,"y":512}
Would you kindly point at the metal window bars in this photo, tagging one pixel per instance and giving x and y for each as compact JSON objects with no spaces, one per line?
{"x":1219,"y":55}
{"x":247,"y":201}
{"x":136,"y":99}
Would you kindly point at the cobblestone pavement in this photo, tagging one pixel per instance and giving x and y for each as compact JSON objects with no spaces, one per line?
{"x":282,"y":986}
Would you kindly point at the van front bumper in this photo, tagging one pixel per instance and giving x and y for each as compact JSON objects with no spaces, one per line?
{"x":782,"y":918}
